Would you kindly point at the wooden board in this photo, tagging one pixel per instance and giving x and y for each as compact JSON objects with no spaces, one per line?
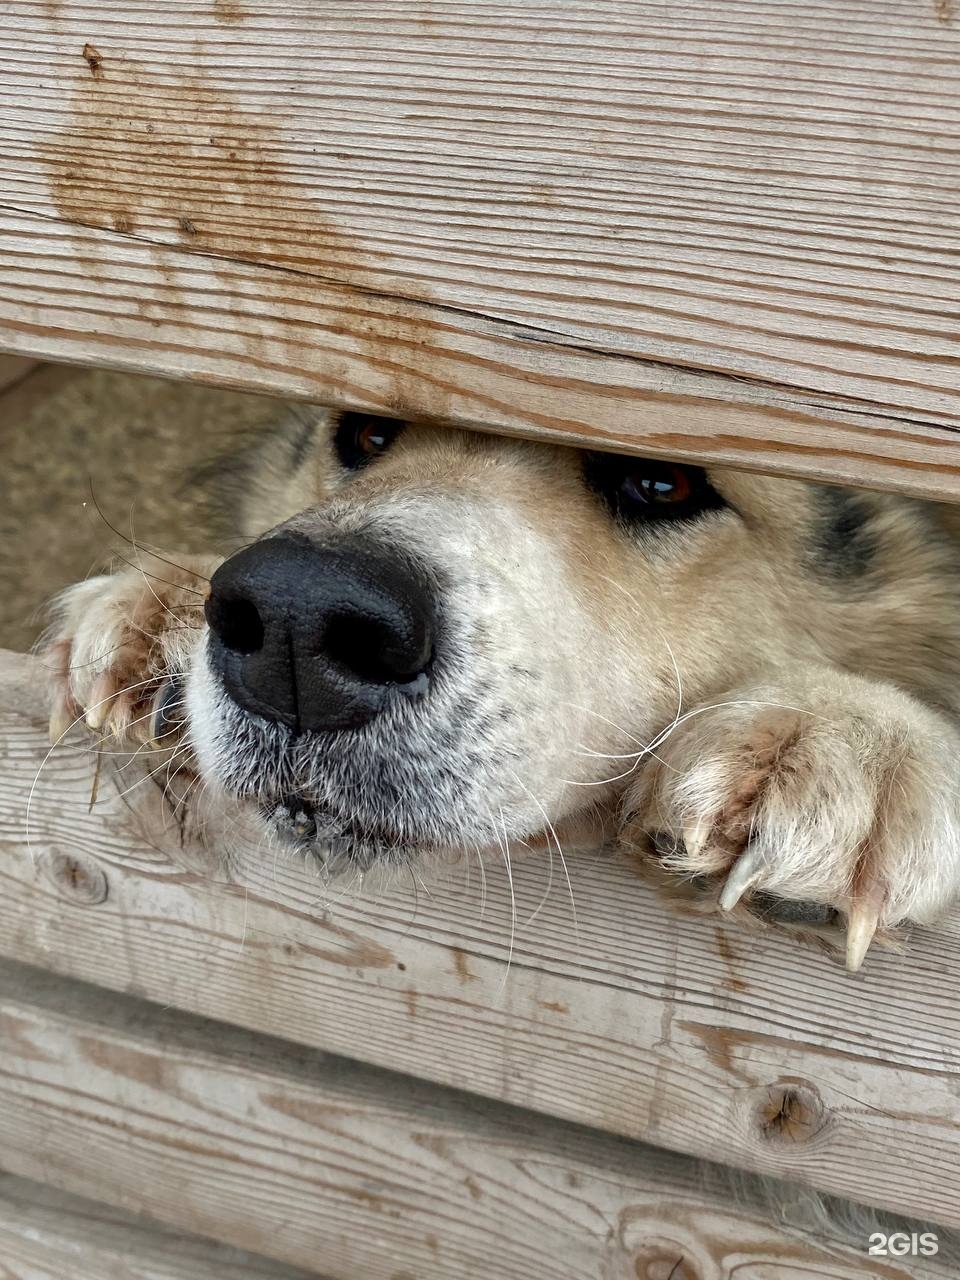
{"x":46,"y":1235}
{"x":686,"y":1032}
{"x":320,"y":1162}
{"x":715,"y":232}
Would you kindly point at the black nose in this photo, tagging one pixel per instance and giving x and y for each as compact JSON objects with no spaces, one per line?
{"x":316,"y":637}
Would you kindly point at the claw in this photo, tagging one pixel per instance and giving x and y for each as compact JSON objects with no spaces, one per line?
{"x":61,"y":721}
{"x":861,"y":926}
{"x":865,"y":908}
{"x":101,"y":697}
{"x":94,"y":719}
{"x":866,"y":905}
{"x":744,"y":875}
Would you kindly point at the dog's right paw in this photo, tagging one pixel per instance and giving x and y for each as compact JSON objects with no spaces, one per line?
{"x":119,"y":644}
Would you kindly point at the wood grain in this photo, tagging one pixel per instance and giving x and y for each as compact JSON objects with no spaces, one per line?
{"x":46,"y":1235}
{"x":749,"y":1047}
{"x":724,"y":233}
{"x":321,"y":1162}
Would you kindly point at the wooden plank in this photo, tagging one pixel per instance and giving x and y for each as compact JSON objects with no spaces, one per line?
{"x":46,"y":1235}
{"x":322,"y":1162}
{"x":687,"y":1032}
{"x":726,"y":233}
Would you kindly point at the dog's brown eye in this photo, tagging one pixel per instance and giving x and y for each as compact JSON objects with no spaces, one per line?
{"x":658,"y":483}
{"x":648,"y":490}
{"x":362,"y":436}
{"x":372,"y":439}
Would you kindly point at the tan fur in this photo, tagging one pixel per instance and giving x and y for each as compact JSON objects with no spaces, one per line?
{"x":710,"y":683}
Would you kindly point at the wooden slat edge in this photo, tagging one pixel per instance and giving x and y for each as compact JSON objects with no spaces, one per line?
{"x":302,"y":336}
{"x":46,"y":1234}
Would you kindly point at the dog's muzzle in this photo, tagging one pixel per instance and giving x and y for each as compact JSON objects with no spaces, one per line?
{"x":320,"y":637}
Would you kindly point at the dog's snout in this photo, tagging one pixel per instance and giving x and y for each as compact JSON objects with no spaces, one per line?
{"x":316,"y":637}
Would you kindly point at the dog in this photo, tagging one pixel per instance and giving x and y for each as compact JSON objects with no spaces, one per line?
{"x":436,"y":639}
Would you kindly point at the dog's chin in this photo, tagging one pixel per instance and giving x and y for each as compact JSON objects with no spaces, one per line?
{"x":337,"y":842}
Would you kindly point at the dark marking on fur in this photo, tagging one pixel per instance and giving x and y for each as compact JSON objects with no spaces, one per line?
{"x":844,"y":543}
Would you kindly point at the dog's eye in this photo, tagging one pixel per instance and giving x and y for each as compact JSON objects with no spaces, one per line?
{"x":362,"y":436}
{"x":657,"y":484}
{"x":647,"y":489}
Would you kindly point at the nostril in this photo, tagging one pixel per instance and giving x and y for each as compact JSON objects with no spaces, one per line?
{"x":372,"y":650}
{"x":237,"y":622}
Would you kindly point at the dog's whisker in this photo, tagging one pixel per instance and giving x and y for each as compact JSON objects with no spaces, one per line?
{"x":150,"y":550}
{"x":505,"y":850}
{"x":563,"y":862}
{"x":665,"y":733}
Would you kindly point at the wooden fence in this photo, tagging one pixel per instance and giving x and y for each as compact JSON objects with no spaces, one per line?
{"x":722,"y":233}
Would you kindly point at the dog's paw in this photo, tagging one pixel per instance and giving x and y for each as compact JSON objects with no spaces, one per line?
{"x":119,"y":643}
{"x":838,"y":792}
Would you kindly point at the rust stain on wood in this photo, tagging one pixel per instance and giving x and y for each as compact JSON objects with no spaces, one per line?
{"x":228,"y":12}
{"x":461,"y":966}
{"x":351,"y":951}
{"x":152,"y":1070}
{"x":167,"y":150}
{"x":554,"y":1006}
{"x":94,"y":60}
{"x":729,"y":957}
{"x":169,"y":153}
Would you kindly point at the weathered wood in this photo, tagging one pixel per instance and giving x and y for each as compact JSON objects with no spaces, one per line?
{"x":46,"y":1235}
{"x":321,"y":1162}
{"x":687,"y":1032}
{"x":720,"y":232}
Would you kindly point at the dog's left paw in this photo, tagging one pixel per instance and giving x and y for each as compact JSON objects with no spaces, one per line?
{"x":833,"y":790}
{"x":120,"y":643}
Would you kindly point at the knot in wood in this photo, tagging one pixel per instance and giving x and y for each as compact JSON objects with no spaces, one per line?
{"x":790,"y":1112}
{"x":665,"y":1265}
{"x":75,"y":877}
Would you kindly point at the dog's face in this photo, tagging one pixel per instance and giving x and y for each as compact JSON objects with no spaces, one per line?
{"x":460,"y":640}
